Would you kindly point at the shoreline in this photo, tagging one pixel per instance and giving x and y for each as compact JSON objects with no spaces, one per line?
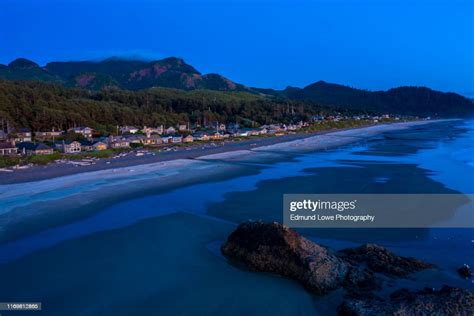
{"x":54,"y":170}
{"x":298,"y":143}
{"x":82,"y":193}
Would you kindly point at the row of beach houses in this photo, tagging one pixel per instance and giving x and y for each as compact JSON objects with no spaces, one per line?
{"x":24,"y":142}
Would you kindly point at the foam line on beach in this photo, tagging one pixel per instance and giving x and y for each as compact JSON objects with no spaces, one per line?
{"x":337,"y":138}
{"x":21,"y":194}
{"x":246,"y":155}
{"x":156,"y":169}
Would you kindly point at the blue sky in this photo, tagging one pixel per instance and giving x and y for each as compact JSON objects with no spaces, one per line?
{"x":370,"y":44}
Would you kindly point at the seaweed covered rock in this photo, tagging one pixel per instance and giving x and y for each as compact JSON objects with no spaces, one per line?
{"x":272,"y":247}
{"x":381,"y":260}
{"x":447,"y":301}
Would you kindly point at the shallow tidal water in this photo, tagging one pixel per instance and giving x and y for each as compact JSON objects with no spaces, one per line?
{"x":158,"y":253}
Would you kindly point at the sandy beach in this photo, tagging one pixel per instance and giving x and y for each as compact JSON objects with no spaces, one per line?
{"x":83,"y":190}
{"x":153,"y":231}
{"x":231,"y":151}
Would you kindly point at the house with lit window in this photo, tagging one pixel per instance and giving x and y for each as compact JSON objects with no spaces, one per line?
{"x":201,"y":136}
{"x":216,"y":136}
{"x":152,"y":130}
{"x":99,"y":146}
{"x":152,"y":140}
{"x":188,"y":139}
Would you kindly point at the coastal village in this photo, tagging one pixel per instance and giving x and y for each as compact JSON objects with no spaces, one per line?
{"x":84,"y":140}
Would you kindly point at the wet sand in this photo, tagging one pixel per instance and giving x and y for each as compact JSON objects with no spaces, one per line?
{"x":279,"y":144}
{"x":54,"y":170}
{"x":29,"y":207}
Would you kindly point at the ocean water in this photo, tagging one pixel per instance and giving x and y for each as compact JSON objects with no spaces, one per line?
{"x":158,"y":252}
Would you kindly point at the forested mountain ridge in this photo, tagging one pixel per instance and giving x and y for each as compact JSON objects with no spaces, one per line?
{"x":119,"y":73}
{"x":137,"y":75}
{"x":419,"y":101}
{"x":24,"y":69}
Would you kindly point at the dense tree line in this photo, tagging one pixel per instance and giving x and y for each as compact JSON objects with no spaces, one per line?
{"x":419,"y":101}
{"x":42,"y":106}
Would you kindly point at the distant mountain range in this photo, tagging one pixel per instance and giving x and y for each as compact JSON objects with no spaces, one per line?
{"x":401,"y":100}
{"x":116,"y":73}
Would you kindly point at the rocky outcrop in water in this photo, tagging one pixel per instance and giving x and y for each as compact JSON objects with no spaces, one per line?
{"x":465,"y":271}
{"x":447,"y":301}
{"x":272,"y":247}
{"x":381,"y":260}
{"x":367,"y":262}
{"x":361,"y":282}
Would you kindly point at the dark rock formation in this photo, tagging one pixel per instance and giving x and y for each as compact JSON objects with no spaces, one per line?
{"x":381,"y":260}
{"x":272,"y":247}
{"x":465,"y":271}
{"x":447,"y":301}
{"x":367,"y":262}
{"x":361,"y":282}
